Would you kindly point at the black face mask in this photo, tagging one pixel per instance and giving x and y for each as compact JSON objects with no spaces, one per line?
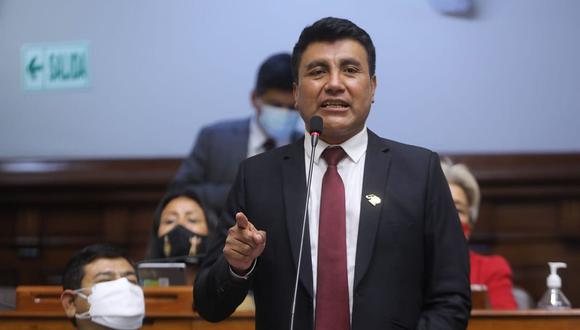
{"x":178,"y":242}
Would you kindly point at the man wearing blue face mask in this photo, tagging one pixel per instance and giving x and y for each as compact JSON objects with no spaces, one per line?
{"x":101,"y":291}
{"x":211,"y":167}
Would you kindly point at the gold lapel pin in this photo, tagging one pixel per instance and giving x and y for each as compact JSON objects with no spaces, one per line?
{"x":373,"y":199}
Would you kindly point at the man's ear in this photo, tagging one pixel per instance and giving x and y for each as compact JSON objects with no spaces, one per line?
{"x":295,"y":94}
{"x":373,"y":86}
{"x":67,"y":299}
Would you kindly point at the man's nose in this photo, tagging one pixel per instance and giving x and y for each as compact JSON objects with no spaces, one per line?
{"x":334,"y":85}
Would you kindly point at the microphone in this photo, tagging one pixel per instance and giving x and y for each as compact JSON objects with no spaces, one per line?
{"x":315,"y":131}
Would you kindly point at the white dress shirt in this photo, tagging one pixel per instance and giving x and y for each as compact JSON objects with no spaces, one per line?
{"x":351,"y":170}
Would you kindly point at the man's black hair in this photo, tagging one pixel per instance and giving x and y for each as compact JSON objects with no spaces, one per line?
{"x":274,"y":73}
{"x":75,"y":268}
{"x":332,"y":29}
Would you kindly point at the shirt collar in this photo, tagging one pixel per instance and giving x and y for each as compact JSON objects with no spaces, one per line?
{"x":256,"y":131}
{"x":259,"y":137}
{"x":355,"y":147}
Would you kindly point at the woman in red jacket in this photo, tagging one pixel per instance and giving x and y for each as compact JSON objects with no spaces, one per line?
{"x":492,"y":271}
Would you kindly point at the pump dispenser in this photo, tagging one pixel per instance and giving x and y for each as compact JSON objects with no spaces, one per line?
{"x":554,"y":298}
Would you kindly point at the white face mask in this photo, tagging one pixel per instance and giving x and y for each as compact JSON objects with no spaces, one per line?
{"x":117,"y":304}
{"x":279,"y":123}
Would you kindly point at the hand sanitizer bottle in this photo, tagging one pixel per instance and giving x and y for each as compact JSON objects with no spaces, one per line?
{"x":554,"y":298}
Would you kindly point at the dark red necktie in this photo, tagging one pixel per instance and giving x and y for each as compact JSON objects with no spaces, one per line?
{"x":332,"y":310}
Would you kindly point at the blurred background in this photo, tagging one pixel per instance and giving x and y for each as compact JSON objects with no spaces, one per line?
{"x":502,"y":79}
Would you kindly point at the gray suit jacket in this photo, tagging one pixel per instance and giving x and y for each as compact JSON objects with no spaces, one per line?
{"x":412,"y":263}
{"x":210,"y":168}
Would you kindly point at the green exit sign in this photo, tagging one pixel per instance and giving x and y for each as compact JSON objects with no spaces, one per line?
{"x":55,"y":66}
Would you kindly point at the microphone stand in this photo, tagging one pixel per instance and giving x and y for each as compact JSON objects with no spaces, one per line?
{"x":314,"y":141}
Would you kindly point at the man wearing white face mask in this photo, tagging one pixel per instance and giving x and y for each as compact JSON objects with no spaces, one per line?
{"x":101,"y":291}
{"x":211,"y":167}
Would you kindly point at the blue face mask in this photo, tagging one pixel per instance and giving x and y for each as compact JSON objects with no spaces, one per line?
{"x":279,"y":123}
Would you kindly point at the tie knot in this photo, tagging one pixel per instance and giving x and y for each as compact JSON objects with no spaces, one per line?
{"x":333,"y":155}
{"x":269,"y":144}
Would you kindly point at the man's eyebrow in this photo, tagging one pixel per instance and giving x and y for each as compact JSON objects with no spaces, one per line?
{"x":129,"y":272}
{"x":316,"y":63}
{"x":346,"y":61}
{"x":349,"y":61}
{"x":111,"y":273}
{"x":108,"y":273}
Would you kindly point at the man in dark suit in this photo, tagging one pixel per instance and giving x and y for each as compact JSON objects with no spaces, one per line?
{"x":383,"y":244}
{"x":210,"y":168}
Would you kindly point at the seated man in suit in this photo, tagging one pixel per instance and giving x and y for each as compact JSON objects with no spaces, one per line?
{"x":383,"y":248}
{"x":212,"y":164}
{"x":101,"y":290}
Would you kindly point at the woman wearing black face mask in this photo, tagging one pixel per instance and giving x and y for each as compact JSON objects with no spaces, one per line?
{"x":180,"y":227}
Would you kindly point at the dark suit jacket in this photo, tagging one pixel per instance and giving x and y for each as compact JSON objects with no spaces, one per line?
{"x":213,"y":162}
{"x":412,"y":268}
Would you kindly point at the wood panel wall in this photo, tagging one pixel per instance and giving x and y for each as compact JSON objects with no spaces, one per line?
{"x":49,"y":209}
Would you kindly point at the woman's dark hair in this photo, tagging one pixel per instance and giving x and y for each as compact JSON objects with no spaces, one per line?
{"x":331,"y":29}
{"x":75,"y":268}
{"x":154,"y":250}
